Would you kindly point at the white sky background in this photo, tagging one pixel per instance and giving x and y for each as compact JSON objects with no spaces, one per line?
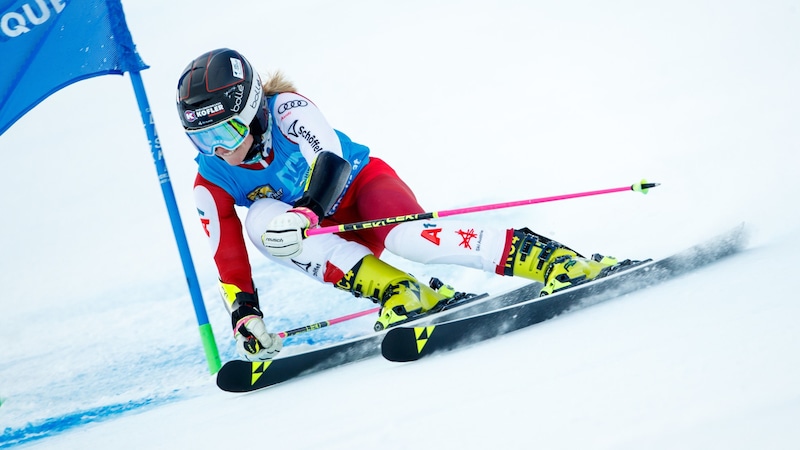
{"x":472,"y":102}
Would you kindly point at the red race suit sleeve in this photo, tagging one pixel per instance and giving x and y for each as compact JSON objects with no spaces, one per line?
{"x":224,"y":230}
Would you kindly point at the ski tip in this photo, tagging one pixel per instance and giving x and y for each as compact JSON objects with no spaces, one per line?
{"x":403,"y":344}
{"x":643,"y":186}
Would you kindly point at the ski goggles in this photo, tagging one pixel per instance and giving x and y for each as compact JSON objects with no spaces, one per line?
{"x":228,"y":135}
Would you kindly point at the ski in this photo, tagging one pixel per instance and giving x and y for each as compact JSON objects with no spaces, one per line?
{"x":246,"y":376}
{"x":410,"y":343}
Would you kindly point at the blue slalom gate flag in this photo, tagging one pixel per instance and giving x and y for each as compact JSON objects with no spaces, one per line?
{"x":47,"y":45}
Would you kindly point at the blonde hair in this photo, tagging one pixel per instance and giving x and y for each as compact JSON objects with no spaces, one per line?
{"x":277,"y":83}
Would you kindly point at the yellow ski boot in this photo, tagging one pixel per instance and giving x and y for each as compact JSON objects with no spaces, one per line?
{"x":570,"y":271}
{"x":540,"y":259}
{"x":400,"y":295}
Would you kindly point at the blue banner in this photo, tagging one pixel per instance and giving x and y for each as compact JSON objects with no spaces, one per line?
{"x":49,"y":44}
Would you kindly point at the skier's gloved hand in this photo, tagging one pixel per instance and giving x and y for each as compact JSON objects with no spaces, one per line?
{"x":285,"y":233}
{"x":252,"y":340}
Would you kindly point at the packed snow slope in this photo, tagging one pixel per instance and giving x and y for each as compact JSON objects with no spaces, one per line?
{"x":472,"y":103}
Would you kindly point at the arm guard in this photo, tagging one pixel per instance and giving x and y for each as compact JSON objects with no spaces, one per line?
{"x":327,"y":181}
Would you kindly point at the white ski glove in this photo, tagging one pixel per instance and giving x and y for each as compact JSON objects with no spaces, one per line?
{"x":285,"y":233}
{"x":252,"y":340}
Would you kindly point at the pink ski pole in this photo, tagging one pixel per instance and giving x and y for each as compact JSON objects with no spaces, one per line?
{"x":325,"y":323}
{"x":642,"y":186}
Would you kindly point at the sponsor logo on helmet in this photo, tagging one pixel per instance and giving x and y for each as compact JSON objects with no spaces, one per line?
{"x":302,"y":132}
{"x":238,"y":96}
{"x":208,"y":111}
{"x":237,"y":68}
{"x":291,"y":104}
{"x":256,"y":95}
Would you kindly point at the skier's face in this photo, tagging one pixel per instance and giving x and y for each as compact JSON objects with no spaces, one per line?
{"x":235,"y":157}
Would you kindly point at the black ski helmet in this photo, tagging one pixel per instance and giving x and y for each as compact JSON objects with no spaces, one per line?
{"x":218,"y":86}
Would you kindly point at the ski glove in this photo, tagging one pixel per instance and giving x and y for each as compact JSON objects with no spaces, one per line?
{"x":252,"y":340}
{"x":285,"y":233}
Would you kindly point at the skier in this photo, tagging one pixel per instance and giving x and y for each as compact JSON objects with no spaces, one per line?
{"x":268,"y":148}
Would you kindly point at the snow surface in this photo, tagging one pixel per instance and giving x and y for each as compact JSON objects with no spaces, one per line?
{"x":472,"y":102}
